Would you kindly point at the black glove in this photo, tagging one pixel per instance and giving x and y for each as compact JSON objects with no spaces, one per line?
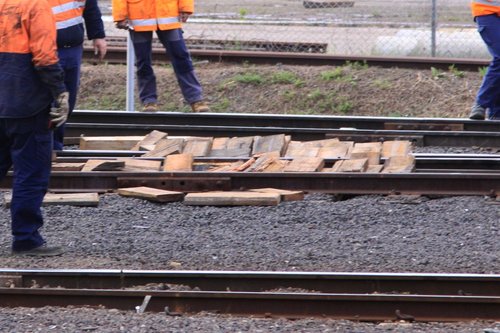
{"x":123,"y":24}
{"x":60,"y":111}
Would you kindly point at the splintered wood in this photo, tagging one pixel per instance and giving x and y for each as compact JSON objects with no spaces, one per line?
{"x":272,"y":153}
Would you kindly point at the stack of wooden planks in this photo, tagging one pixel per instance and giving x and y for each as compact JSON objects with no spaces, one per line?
{"x":272,"y":153}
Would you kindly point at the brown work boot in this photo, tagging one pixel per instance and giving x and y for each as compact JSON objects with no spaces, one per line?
{"x":200,"y":106}
{"x":150,"y":107}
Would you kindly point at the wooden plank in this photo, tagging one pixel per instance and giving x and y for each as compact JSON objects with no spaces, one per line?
{"x":399,"y":164}
{"x":235,"y":198}
{"x":370,"y":150}
{"x":103,"y":165}
{"x":220,"y":143}
{"x":135,"y":164}
{"x":322,"y":143}
{"x":67,"y":166}
{"x":285,"y":195}
{"x":263,"y":161}
{"x":305,"y":164}
{"x":269,"y":143}
{"x":355,"y":165}
{"x":336,"y":151}
{"x":299,"y":149}
{"x":64,"y":199}
{"x":178,"y":162}
{"x":276,"y":166}
{"x":198,"y":147}
{"x":375,"y":168}
{"x":150,"y":140}
{"x":151,"y":194}
{"x":396,"y":148}
{"x":109,"y":142}
{"x":224,"y":167}
{"x":165,"y":147}
{"x":233,"y":147}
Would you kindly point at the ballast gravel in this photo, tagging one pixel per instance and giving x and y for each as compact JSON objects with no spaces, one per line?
{"x":320,"y":233}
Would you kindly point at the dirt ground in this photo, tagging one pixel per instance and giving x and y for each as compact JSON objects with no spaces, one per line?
{"x":354,"y":89}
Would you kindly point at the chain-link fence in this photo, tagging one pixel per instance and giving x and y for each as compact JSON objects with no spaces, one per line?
{"x":423,"y":28}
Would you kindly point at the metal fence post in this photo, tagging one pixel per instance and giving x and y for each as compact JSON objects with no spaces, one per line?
{"x":433,"y":28}
{"x":130,"y":75}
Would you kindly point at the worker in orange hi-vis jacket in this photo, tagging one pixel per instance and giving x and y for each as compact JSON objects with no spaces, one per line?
{"x":71,"y":15}
{"x":33,"y":101}
{"x":141,"y":18}
{"x":486,"y":14}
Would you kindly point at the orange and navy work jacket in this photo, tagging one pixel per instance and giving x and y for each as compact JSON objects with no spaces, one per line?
{"x":151,"y":15}
{"x":30,"y":75}
{"x":485,"y":7}
{"x":70,"y":18}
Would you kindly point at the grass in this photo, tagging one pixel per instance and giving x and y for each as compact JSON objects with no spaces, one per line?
{"x":249,"y":78}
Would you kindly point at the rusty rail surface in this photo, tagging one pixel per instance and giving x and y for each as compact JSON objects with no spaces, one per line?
{"x":368,"y":297}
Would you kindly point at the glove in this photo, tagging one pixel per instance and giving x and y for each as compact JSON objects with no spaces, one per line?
{"x":123,"y":24}
{"x":60,"y":111}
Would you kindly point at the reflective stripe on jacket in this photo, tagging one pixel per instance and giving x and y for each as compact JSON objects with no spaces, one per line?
{"x":485,"y":7}
{"x":151,"y":15}
{"x":70,"y":17}
{"x":27,"y":47}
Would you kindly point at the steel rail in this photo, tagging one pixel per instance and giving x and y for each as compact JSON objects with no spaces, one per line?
{"x":419,"y":138}
{"x":278,"y":120}
{"x":467,"y":163}
{"x":252,"y":281}
{"x":487,"y":184}
{"x":379,"y":307}
{"x":117,"y":55}
{"x":353,"y":306}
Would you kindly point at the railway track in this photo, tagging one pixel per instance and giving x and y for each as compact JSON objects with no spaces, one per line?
{"x":422,"y":132}
{"x":117,"y":54}
{"x":354,"y":296}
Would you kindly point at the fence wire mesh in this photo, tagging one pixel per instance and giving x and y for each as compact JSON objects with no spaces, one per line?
{"x":423,"y":28}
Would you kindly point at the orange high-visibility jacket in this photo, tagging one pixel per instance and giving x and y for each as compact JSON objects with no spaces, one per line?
{"x":30,"y":74}
{"x":485,"y":7}
{"x":151,"y":15}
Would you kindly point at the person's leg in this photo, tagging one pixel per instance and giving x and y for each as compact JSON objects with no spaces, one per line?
{"x":5,"y":160}
{"x":70,"y":60}
{"x":179,"y":55}
{"x":31,"y":148}
{"x":489,"y":29}
{"x":146,"y":79}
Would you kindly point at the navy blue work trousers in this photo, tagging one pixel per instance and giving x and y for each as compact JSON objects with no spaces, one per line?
{"x":26,"y":144}
{"x":488,"y":95}
{"x":176,"y":49}
{"x":70,"y":60}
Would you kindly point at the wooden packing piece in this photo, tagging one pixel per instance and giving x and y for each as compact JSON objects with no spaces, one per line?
{"x":336,"y":151}
{"x":286,"y":195}
{"x":369,"y":150}
{"x":263,"y":161}
{"x":396,"y":148}
{"x":399,"y":164}
{"x":103,"y":165}
{"x":109,"y":142}
{"x":299,"y":149}
{"x":235,"y":198}
{"x":67,"y":166}
{"x":355,"y":165}
{"x":135,"y":164}
{"x":322,"y":143}
{"x":150,"y":140}
{"x":269,"y":143}
{"x":305,"y":164}
{"x":198,"y":147}
{"x":178,"y":162}
{"x":165,"y":147}
{"x":151,"y":194}
{"x":66,"y":199}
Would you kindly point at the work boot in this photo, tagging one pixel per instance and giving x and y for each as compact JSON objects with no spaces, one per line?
{"x":150,"y":107}
{"x":200,"y":106}
{"x":41,"y":251}
{"x":477,"y":112}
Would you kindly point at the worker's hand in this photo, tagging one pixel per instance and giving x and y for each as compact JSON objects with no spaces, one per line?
{"x":59,"y":112}
{"x":183,"y":16}
{"x":123,"y":24}
{"x":100,"y":47}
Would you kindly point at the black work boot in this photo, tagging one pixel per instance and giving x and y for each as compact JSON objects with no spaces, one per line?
{"x":477,"y":112}
{"x":41,"y":251}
